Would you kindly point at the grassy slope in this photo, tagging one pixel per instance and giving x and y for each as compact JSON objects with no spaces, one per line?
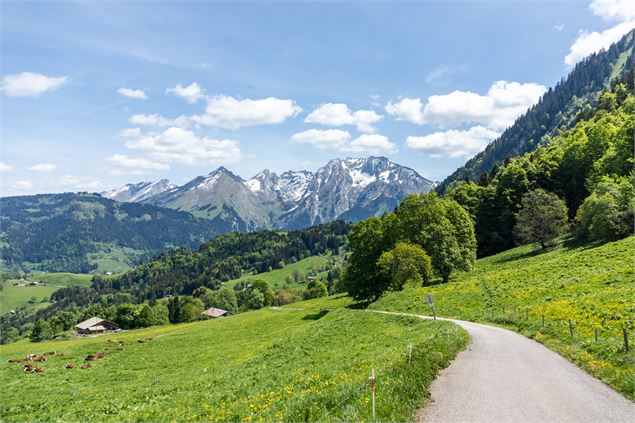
{"x":276,"y":278}
{"x":62,"y":279}
{"x":271,"y":365}
{"x":12,"y":297}
{"x":590,"y":285}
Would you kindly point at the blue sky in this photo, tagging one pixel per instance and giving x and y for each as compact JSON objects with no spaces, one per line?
{"x":98,"y":95}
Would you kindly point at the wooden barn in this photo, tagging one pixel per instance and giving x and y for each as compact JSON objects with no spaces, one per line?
{"x":214,"y":313}
{"x":95,"y":325}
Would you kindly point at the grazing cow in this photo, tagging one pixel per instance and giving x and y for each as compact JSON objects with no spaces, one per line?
{"x":39,"y":369}
{"x":36,"y":357}
{"x":95,"y":357}
{"x":29,"y":368}
{"x":84,"y":366}
{"x":60,"y":355}
{"x":70,"y":366}
{"x":49,"y":353}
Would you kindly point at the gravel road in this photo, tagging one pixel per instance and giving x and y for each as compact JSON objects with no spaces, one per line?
{"x":505,"y":377}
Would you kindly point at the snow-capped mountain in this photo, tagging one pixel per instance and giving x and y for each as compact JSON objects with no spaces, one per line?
{"x":350,"y":189}
{"x":137,"y":193}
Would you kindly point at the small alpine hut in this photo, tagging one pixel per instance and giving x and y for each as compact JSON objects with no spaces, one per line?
{"x":214,"y":313}
{"x":95,"y":325}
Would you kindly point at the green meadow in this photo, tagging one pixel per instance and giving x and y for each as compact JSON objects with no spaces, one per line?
{"x":300,"y":363}
{"x":14,"y":296}
{"x":577,"y":289}
{"x":277,"y":278}
{"x":62,"y":279}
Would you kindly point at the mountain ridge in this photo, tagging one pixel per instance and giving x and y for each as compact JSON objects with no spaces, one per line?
{"x":349,"y":188}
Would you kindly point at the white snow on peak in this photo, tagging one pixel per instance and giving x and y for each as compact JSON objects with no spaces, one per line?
{"x":209,"y":182}
{"x":361,"y":179}
{"x":254,"y":184}
{"x":292,"y":185}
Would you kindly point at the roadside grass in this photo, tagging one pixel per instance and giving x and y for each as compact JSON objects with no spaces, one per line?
{"x":276,"y":278}
{"x":13,"y":296}
{"x":590,"y":286}
{"x":267,"y":365}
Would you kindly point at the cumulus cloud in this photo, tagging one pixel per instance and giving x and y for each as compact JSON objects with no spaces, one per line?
{"x":5,"y":167}
{"x":136,"y":163}
{"x":338,"y":114}
{"x":588,"y":43}
{"x":336,"y":139}
{"x":232,"y":113}
{"x":192,"y":93}
{"x":620,"y":11}
{"x":132,"y":93}
{"x":29,"y":84}
{"x":409,"y":109}
{"x":614,"y":10}
{"x":130,"y":132}
{"x":183,"y":146}
{"x":453,"y":143}
{"x":158,"y":120}
{"x":498,"y":109}
{"x":22,"y":185}
{"x":43,"y":167}
{"x":82,"y":183}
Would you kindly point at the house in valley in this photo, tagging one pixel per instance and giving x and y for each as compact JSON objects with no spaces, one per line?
{"x":95,"y":325}
{"x":214,"y":313}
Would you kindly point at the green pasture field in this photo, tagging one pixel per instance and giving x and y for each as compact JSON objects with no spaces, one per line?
{"x":577,"y":288}
{"x":268,"y":365}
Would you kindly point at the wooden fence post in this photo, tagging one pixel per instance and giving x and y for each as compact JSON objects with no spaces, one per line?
{"x":596,"y":334}
{"x":543,"y":321}
{"x":571,"y":328}
{"x":625,"y":334}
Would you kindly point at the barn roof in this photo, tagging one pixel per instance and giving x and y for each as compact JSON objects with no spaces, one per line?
{"x":89,"y":322}
{"x":93,"y":321}
{"x":215,"y":312}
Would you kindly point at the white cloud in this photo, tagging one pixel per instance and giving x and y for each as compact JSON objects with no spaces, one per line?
{"x":336,"y":139}
{"x":83,"y":183}
{"x":371,"y":143}
{"x":614,"y":10}
{"x":158,"y":120}
{"x":130,"y":132}
{"x":136,"y":163}
{"x":132,"y":93}
{"x":498,"y":109}
{"x":558,"y":27}
{"x":183,"y":146}
{"x":43,"y":167}
{"x":323,"y":139}
{"x":5,"y":167}
{"x":409,"y":109}
{"x":591,"y":42}
{"x":229,"y":112}
{"x":453,"y":143}
{"x":587,"y":43}
{"x":338,"y":114}
{"x":29,"y":84}
{"x":192,"y":93}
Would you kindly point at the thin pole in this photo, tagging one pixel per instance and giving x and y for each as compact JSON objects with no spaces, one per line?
{"x":409,"y":354}
{"x":372,"y":386}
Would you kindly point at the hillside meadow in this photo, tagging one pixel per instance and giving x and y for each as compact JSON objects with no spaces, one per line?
{"x":576,"y":289}
{"x":304,"y":363}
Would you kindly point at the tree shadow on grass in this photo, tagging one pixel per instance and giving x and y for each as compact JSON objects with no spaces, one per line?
{"x":569,"y":244}
{"x":318,"y":315}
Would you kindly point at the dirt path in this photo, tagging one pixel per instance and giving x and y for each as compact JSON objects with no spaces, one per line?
{"x":505,"y":377}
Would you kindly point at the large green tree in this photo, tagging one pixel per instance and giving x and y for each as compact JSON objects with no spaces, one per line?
{"x":542,"y":218}
{"x":442,"y":228}
{"x":405,"y":263}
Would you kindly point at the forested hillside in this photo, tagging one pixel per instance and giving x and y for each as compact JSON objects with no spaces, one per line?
{"x":83,"y":232}
{"x":594,"y":157}
{"x":191,"y":279}
{"x":556,"y":110}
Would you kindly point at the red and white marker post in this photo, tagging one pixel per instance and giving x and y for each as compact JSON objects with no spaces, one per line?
{"x":372,"y":387}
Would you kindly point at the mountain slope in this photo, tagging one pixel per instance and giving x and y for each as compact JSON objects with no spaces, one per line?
{"x":349,"y":189}
{"x":136,"y":193}
{"x":70,"y":232}
{"x":556,"y":110}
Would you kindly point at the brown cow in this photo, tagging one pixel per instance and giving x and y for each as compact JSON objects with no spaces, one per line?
{"x":70,"y":366}
{"x":39,"y":369}
{"x":29,"y":368}
{"x":38,"y":358}
{"x":49,"y":353}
